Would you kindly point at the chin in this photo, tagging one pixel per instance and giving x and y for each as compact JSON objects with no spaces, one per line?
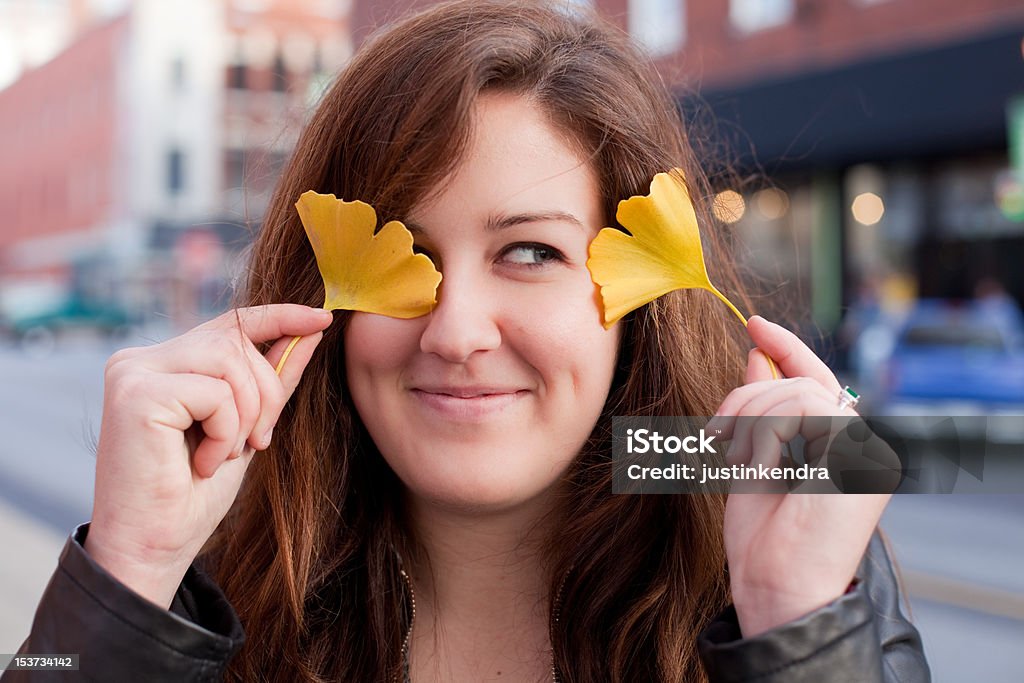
{"x":476,"y":486}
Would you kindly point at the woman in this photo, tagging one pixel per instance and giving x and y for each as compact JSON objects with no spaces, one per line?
{"x":432,"y":501}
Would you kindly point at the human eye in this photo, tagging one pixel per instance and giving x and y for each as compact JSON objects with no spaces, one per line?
{"x":531,"y":255}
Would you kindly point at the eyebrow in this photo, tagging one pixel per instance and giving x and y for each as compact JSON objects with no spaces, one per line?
{"x":497,"y":223}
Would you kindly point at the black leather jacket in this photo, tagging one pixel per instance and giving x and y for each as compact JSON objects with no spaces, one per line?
{"x":120,"y":636}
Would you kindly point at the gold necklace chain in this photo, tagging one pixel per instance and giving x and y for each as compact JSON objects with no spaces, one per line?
{"x":555,"y":615}
{"x":408,"y":632}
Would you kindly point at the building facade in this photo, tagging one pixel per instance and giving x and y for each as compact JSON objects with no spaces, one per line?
{"x":139,"y":159}
{"x":883,"y":127}
{"x":865,"y":144}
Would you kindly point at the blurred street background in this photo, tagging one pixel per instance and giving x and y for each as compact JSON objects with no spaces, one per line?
{"x":867,"y":156}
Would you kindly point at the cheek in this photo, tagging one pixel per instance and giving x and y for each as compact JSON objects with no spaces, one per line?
{"x":592,"y":363}
{"x":562,"y":334}
{"x":377,"y":347}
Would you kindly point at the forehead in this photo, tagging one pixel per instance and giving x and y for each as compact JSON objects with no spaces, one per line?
{"x":516,"y":161}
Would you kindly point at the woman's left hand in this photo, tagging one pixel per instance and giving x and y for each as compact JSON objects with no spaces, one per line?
{"x":789,"y":554}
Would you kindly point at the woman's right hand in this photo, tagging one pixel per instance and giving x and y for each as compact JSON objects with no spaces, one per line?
{"x":181,"y":421}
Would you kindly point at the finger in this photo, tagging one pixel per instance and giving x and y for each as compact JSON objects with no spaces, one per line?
{"x":272,"y":397}
{"x":767,"y":436}
{"x":724,"y":421}
{"x":206,"y":400}
{"x":273,"y":321}
{"x":226,"y":350}
{"x":770,"y":431}
{"x":815,"y":399}
{"x":301,"y":354}
{"x":780,"y":426}
{"x":221,"y":354}
{"x":758,"y":371}
{"x":794,"y":358}
{"x":758,"y":368}
{"x":291,"y":373}
{"x":759,"y":443}
{"x":802,"y":395}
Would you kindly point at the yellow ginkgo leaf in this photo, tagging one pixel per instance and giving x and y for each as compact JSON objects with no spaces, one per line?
{"x":363,"y":271}
{"x":662,"y":255}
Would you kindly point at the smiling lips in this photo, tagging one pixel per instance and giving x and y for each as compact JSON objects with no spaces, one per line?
{"x":467,"y":403}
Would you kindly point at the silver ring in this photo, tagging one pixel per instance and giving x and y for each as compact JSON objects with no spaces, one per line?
{"x":848,"y":398}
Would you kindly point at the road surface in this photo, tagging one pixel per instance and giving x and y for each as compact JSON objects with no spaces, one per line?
{"x":962,"y":556}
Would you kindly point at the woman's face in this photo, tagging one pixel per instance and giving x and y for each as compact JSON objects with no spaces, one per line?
{"x":484,"y":402}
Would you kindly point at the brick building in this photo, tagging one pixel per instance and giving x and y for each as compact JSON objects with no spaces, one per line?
{"x":32,"y":32}
{"x":138,"y":160}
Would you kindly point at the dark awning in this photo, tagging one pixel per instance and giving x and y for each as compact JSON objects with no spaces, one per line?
{"x":937,"y":102}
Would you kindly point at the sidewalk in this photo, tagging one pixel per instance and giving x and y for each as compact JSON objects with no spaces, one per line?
{"x":30,"y":549}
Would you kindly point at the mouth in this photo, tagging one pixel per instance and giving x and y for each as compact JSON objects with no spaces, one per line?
{"x":467,"y":403}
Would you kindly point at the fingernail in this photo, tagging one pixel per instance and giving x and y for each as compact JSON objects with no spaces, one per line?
{"x":266,"y":438}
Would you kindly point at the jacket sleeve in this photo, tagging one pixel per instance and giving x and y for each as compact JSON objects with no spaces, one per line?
{"x":119,"y":635}
{"x":862,"y":636}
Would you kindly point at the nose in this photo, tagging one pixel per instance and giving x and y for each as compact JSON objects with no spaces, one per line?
{"x":464,"y":320}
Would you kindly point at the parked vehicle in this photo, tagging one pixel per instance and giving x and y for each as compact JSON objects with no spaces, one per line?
{"x":959,"y":359}
{"x":40,"y":325}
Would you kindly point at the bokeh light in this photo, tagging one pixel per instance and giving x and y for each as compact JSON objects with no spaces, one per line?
{"x":771,"y":203}
{"x":868,"y":208}
{"x":729,"y":206}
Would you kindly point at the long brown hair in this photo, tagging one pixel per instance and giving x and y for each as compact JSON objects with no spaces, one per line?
{"x":307,"y":553}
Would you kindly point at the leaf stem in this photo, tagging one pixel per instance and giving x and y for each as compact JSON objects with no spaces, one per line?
{"x":771,"y":363}
{"x":287,"y":352}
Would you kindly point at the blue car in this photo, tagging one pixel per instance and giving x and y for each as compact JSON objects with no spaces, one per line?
{"x":958,"y":359}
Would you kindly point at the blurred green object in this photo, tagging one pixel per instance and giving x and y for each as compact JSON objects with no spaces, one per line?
{"x":74,"y":312}
{"x":1015,"y":132}
{"x":1010,"y":184}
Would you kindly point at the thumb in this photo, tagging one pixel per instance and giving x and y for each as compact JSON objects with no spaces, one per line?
{"x":300,"y":356}
{"x":757,"y":366}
